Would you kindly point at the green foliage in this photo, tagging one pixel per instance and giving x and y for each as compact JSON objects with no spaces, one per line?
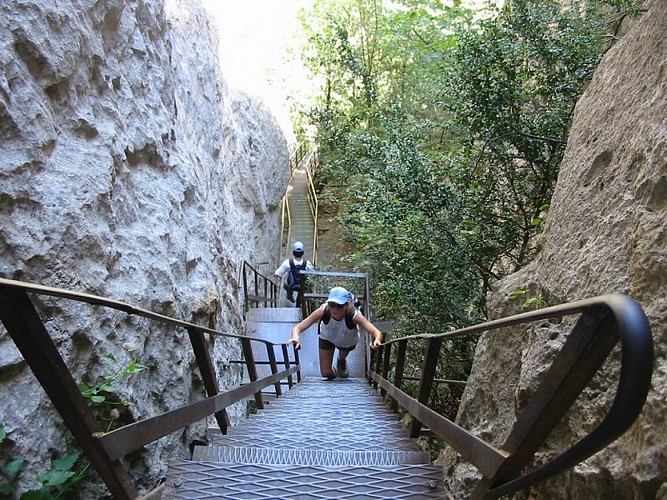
{"x":440,"y":132}
{"x":99,"y":392}
{"x":68,"y":472}
{"x":10,"y":469}
{"x":105,"y":390}
{"x":535,"y":302}
{"x":62,"y":480}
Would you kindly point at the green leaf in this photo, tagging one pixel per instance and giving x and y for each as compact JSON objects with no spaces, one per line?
{"x":35,"y":495}
{"x":3,"y":433}
{"x":109,"y":359}
{"x":66,"y":462}
{"x":13,"y":466}
{"x":533,"y":301}
{"x":98,"y":399}
{"x":517,"y":293}
{"x":54,"y":477}
{"x":135,"y":367}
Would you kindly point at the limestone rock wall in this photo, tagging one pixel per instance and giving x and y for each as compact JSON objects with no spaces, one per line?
{"x":128,"y":169}
{"x":606,"y":233}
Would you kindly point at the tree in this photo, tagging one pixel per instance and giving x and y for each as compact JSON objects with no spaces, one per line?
{"x":441,"y":133}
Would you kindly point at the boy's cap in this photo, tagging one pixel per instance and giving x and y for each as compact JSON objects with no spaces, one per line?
{"x":297,"y":247}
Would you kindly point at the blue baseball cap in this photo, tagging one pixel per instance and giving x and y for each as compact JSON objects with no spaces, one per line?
{"x":297,"y":247}
{"x":339,"y":295}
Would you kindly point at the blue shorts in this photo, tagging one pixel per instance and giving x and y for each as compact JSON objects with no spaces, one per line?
{"x":326,"y":345}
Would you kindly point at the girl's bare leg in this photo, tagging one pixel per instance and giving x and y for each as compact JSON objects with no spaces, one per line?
{"x":326,"y":362}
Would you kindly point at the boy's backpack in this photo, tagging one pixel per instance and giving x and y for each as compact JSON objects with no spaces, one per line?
{"x":293,"y":278}
{"x":349,"y":321}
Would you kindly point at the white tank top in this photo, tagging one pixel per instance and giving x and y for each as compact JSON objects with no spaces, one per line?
{"x":338,"y":333}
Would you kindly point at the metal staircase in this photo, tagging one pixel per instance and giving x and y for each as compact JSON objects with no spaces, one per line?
{"x":322,"y":439}
{"x":337,"y":439}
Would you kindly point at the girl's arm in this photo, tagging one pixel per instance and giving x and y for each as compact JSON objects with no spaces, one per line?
{"x":314,"y":317}
{"x":360,"y":319}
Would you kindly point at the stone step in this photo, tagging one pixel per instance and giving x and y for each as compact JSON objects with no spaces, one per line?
{"x":274,"y":315}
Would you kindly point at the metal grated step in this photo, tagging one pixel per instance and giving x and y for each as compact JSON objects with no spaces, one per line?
{"x":249,"y":455}
{"x":385,"y":442}
{"x":187,"y":480}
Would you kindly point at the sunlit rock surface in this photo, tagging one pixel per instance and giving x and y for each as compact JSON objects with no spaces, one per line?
{"x":128,"y":169}
{"x":606,"y":232}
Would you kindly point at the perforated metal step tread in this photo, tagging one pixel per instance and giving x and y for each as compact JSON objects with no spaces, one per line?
{"x":310,"y":417}
{"x":328,"y":457}
{"x":187,"y":480}
{"x":316,"y":442}
{"x":319,"y":440}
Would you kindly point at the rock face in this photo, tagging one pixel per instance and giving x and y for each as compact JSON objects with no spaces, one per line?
{"x":606,"y":233}
{"x":128,"y":169}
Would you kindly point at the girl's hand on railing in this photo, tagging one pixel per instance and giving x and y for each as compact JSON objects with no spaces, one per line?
{"x":376,"y":343}
{"x":295,"y":341}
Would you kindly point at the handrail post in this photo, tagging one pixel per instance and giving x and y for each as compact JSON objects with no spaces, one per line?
{"x":31,"y":338}
{"x":255,"y":282}
{"x":300,"y":300}
{"x":246,"y":306}
{"x":398,"y":369}
{"x":587,"y":346}
{"x":297,"y":362}
{"x":207,"y":372}
{"x":385,"y":366}
{"x":426,"y":380}
{"x":274,"y":367}
{"x":252,"y":369}
{"x":290,"y":381}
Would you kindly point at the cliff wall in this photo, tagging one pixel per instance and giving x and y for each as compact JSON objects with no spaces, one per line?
{"x":606,"y":232}
{"x":128,"y":169}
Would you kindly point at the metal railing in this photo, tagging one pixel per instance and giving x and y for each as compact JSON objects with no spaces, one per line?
{"x":105,"y":449}
{"x":286,"y":218}
{"x":258,"y":290}
{"x":602,"y":323}
{"x":298,"y":155}
{"x":308,"y":299}
{"x":312,"y":199}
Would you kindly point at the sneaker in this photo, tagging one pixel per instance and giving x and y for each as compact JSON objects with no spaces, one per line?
{"x":341,"y":368}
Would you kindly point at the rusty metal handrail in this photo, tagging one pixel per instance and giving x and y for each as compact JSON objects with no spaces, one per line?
{"x":298,"y":155}
{"x":285,"y":224}
{"x":105,"y":449}
{"x":286,"y":219}
{"x":303,"y":274}
{"x":312,"y":200}
{"x":602,"y":323}
{"x":264,"y":290}
{"x":285,"y":216}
